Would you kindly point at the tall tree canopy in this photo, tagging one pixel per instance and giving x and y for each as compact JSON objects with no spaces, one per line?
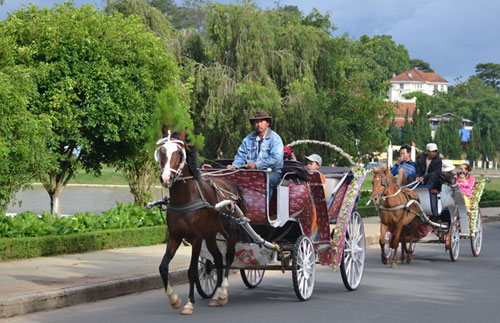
{"x":489,"y":73}
{"x":96,"y":77}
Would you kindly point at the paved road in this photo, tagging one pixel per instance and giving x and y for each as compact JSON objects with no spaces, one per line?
{"x":432,"y":289}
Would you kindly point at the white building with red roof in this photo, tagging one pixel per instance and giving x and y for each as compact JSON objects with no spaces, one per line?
{"x":415,"y":80}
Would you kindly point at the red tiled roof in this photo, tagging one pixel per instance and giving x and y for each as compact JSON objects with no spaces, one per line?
{"x":401,"y":107}
{"x":418,"y":76}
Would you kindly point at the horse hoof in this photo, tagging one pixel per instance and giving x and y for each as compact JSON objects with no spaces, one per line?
{"x":177,"y":304}
{"x":213,"y":303}
{"x":385,"y":261}
{"x":223,"y":301}
{"x":394,"y":265}
{"x":187,"y":311}
{"x":219,"y":302}
{"x":408,"y":261}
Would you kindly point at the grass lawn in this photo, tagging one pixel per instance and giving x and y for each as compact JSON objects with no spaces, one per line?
{"x":108,"y":177}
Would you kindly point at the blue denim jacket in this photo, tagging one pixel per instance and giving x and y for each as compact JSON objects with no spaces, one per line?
{"x":269,"y":156}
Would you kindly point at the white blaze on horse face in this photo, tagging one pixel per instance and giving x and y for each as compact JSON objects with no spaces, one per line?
{"x":168,"y":173}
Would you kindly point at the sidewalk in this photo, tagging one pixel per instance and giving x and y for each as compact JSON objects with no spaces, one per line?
{"x":45,"y":283}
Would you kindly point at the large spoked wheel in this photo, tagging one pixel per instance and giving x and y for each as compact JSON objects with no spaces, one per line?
{"x":454,"y":240}
{"x":207,"y":278}
{"x":303,"y":268}
{"x":252,"y":277}
{"x":476,"y":239}
{"x":353,"y":258}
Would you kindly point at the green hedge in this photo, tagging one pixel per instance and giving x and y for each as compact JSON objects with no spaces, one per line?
{"x":17,"y":248}
{"x":489,"y":203}
{"x":366,"y":211}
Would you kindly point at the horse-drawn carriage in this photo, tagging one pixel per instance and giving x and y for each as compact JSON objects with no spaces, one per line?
{"x":221,"y":211}
{"x":442,"y":217}
{"x":303,"y":224}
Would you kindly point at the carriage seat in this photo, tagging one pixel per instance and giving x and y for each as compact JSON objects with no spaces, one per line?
{"x":294,"y":170}
{"x":429,"y":200}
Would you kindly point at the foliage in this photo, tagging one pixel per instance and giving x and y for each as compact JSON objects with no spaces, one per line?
{"x":490,"y":74}
{"x":383,"y":57}
{"x":29,"y":224}
{"x":490,"y":195}
{"x":96,"y":77}
{"x":19,"y":248}
{"x":448,"y":139}
{"x":22,"y":134}
{"x":188,"y":15}
{"x":421,"y":65}
{"x":150,"y":16}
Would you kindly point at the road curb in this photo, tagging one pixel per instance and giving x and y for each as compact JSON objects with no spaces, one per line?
{"x":18,"y":305}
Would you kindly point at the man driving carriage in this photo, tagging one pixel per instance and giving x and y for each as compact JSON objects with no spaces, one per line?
{"x":261,"y":149}
{"x":428,"y":167}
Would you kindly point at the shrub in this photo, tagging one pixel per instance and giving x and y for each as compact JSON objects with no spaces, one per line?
{"x":29,"y":224}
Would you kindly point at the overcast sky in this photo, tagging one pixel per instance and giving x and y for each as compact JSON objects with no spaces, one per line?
{"x":451,"y":35}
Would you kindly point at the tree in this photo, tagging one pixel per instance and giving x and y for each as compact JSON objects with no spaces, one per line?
{"x":382,"y":57}
{"x":490,"y":74}
{"x":448,"y":139}
{"x":96,"y":80}
{"x":150,"y":16}
{"x":190,"y":14}
{"x":22,"y":134}
{"x":420,"y":64}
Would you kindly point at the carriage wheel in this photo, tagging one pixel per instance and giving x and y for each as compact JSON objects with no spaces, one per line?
{"x":476,"y":239}
{"x":454,"y":239}
{"x":387,"y":246}
{"x":252,"y":277}
{"x":353,"y":258}
{"x":207,"y":278}
{"x":303,"y":267}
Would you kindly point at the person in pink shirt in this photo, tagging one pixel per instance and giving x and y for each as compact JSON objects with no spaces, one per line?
{"x":465,"y":182}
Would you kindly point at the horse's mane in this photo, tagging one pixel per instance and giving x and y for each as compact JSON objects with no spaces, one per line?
{"x":191,"y":157}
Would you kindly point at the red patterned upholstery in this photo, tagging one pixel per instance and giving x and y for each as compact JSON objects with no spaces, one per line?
{"x":253,"y":185}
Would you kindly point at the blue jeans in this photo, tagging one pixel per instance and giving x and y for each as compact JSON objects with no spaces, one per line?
{"x":274,"y":180}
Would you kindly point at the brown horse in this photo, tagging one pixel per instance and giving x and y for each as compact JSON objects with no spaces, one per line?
{"x":394,"y":215}
{"x":191,"y":215}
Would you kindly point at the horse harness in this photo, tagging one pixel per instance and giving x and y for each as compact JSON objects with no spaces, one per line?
{"x":401,"y":206}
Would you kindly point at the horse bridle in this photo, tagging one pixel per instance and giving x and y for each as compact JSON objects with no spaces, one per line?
{"x":384,"y":183}
{"x":166,"y":142}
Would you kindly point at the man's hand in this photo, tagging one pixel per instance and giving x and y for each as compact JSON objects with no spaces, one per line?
{"x":251,"y":166}
{"x":419,"y":179}
{"x":230,"y":167}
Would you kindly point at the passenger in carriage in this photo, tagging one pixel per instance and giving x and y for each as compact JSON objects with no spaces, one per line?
{"x":466,"y":182}
{"x":289,"y":153}
{"x":428,"y":167}
{"x":404,"y":168}
{"x":314,"y":162}
{"x":261,"y":149}
{"x":447,"y":176}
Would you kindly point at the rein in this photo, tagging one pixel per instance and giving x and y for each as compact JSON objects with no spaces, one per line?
{"x":401,"y":206}
{"x":197,"y":204}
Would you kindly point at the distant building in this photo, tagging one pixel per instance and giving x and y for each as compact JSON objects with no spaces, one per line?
{"x":415,"y":80}
{"x":437,"y":120}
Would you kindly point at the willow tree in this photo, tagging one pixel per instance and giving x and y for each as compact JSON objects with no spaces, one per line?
{"x":96,"y":78}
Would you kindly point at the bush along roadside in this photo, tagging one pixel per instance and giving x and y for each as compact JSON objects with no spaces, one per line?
{"x":29,"y":224}
{"x":28,"y":235}
{"x":18,"y":248}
